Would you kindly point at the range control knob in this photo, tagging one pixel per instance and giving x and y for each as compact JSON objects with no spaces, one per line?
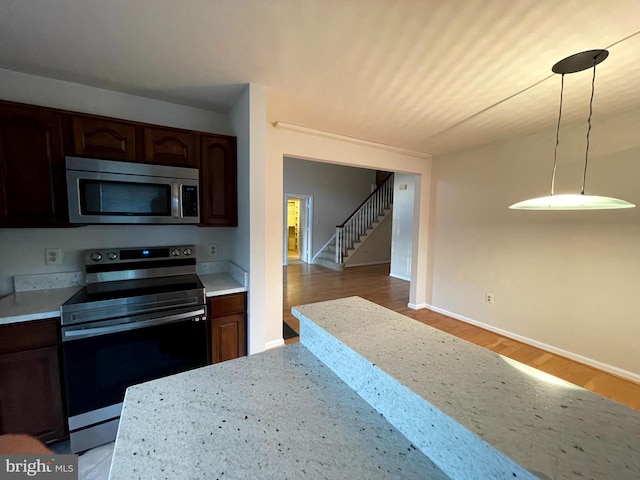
{"x":175,"y":252}
{"x":96,"y":256}
{"x":187,"y":251}
{"x":112,"y":255}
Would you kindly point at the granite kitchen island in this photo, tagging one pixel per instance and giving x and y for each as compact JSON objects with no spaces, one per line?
{"x":370,"y":393}
{"x":277,"y":415}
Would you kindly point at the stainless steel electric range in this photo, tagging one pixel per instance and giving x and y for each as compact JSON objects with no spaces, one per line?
{"x":141,"y":316}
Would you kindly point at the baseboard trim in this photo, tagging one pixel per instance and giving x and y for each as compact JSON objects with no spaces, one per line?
{"x":399,"y":277}
{"x":417,"y":306}
{"x":274,"y":344}
{"x":366,"y":264}
{"x":544,"y":346}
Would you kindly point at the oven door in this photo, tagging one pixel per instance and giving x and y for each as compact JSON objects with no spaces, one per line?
{"x":102,"y":359}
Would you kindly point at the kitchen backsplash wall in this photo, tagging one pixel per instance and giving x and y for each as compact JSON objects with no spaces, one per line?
{"x":22,"y":250}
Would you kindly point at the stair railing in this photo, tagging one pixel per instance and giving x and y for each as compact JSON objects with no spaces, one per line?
{"x":356,"y":225}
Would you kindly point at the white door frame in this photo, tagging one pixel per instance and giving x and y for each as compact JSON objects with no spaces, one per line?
{"x":306,"y":228}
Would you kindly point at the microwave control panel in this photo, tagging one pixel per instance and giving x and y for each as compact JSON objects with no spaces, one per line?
{"x":189,"y":201}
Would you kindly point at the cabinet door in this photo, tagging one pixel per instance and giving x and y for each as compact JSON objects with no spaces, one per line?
{"x":100,"y":138}
{"x":228,"y":324}
{"x":30,"y":394}
{"x":171,"y":147}
{"x":228,"y":338}
{"x":32,"y":174}
{"x":218,"y":182}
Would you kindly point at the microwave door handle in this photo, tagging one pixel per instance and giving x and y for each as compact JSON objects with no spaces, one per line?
{"x":176,"y":200}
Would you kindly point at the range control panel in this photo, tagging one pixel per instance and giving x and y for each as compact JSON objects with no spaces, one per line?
{"x":124,"y":255}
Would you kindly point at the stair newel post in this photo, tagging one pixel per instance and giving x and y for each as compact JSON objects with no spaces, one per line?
{"x":338,"y":242}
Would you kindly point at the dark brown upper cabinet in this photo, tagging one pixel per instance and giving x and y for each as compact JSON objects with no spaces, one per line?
{"x":101,"y":138}
{"x":171,"y":147}
{"x":34,"y":141}
{"x":32,"y":174}
{"x":218,"y":182}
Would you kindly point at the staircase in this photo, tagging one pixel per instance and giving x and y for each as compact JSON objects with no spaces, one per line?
{"x":357,"y":227}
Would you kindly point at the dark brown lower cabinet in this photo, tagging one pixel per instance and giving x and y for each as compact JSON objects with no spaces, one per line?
{"x":228,"y":326}
{"x":30,"y":382}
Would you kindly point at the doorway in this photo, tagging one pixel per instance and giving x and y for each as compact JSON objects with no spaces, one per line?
{"x":298,"y":222}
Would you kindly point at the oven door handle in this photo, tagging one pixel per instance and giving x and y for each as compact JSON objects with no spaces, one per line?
{"x":75,"y":333}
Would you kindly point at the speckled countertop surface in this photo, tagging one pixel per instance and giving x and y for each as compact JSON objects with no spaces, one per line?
{"x":222,"y":278}
{"x":554,"y":431}
{"x":41,"y":295}
{"x":220,"y":284}
{"x":281,"y":414}
{"x":34,"y":305}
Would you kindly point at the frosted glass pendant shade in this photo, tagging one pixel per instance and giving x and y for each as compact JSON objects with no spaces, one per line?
{"x":572,"y":201}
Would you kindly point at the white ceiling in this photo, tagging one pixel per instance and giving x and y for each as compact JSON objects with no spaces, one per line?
{"x":428,"y":75}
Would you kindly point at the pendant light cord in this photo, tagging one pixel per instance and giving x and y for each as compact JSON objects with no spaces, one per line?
{"x":586,"y":154}
{"x":555,"y":150}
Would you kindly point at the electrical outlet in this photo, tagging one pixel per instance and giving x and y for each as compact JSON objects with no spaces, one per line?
{"x":488,"y":297}
{"x":213,"y":250}
{"x":52,"y":256}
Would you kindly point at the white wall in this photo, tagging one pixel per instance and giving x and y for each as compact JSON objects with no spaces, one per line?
{"x":249,"y":119}
{"x":240,"y":124}
{"x":22,"y":250}
{"x":283,"y":143}
{"x":47,"y":92}
{"x":402,"y":231}
{"x":337,"y":191}
{"x":567,"y":281}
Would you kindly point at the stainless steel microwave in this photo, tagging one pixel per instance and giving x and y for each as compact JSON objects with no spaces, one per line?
{"x":103,"y":191}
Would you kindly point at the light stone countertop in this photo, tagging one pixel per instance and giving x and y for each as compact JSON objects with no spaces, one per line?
{"x":34,"y":304}
{"x":465,"y":407}
{"x":41,"y":295}
{"x":222,"y":278}
{"x":220,"y":284}
{"x":280,"y":414}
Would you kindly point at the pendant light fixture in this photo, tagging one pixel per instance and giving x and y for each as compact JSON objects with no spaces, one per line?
{"x":574,"y":201}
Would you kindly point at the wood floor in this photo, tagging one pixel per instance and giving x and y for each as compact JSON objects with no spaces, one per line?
{"x":311,"y":283}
